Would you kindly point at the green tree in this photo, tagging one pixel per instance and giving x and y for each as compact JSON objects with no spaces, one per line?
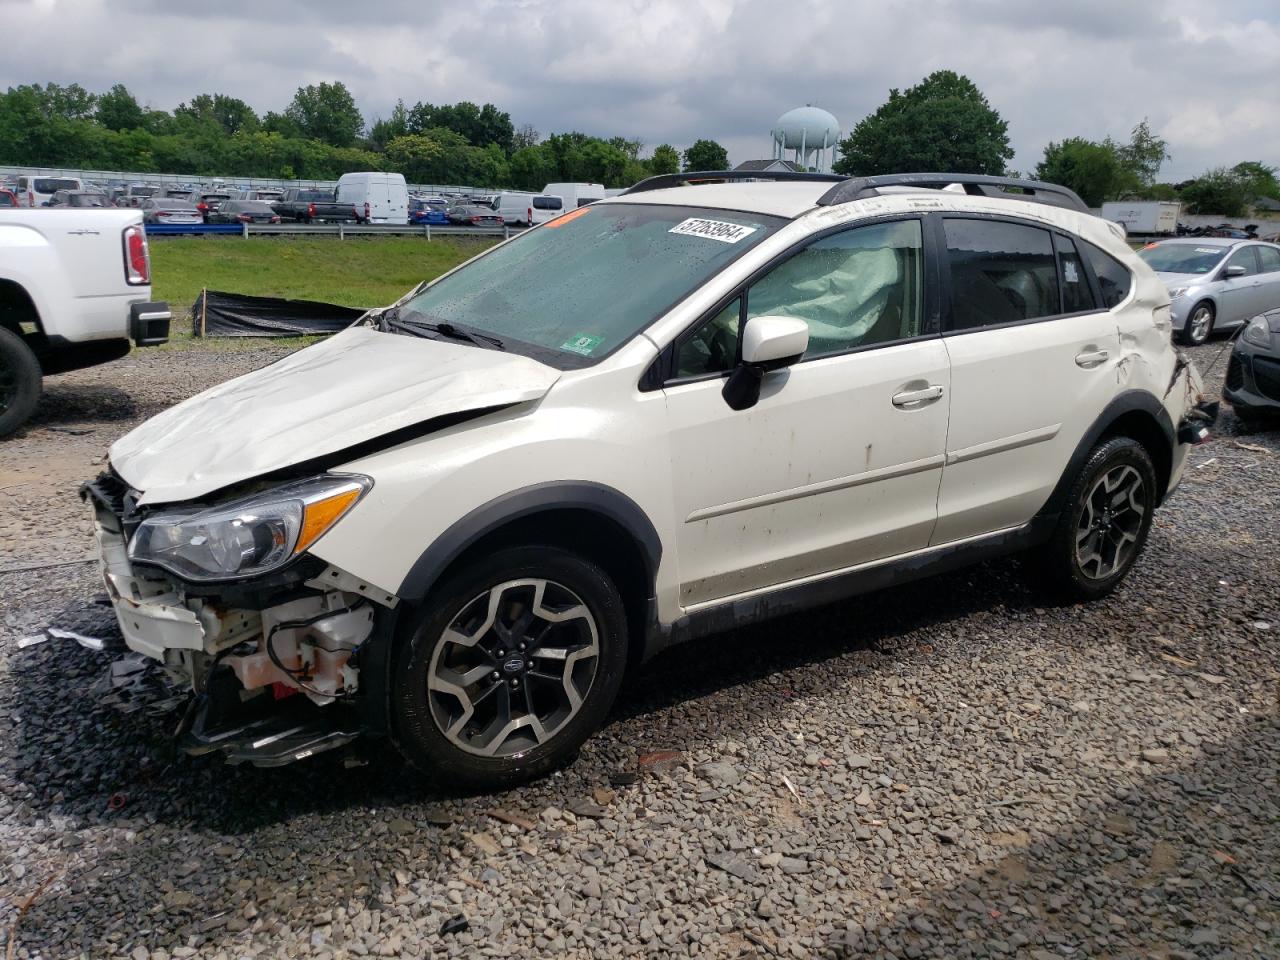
{"x":231,"y":114}
{"x":1257,"y":179}
{"x":526,"y":136}
{"x":118,"y":109}
{"x":706,"y":155}
{"x":282,"y":124}
{"x":665,"y":159}
{"x":532,"y":168}
{"x":943,"y":123}
{"x":1144,"y":154}
{"x":1093,"y":170}
{"x":326,"y":112}
{"x":480,"y":126}
{"x":1220,"y":191}
{"x":384,"y":131}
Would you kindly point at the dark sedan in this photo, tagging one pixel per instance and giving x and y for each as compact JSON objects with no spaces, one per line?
{"x":244,"y":211}
{"x":1253,"y":374}
{"x":78,"y":198}
{"x":476,"y":215}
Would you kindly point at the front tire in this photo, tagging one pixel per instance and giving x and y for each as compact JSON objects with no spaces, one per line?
{"x":1199,"y":326}
{"x":19,"y":382}
{"x":513,"y":661}
{"x":1105,"y":523}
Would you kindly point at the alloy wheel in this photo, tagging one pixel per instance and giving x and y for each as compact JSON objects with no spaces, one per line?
{"x":513,"y":667}
{"x":1109,"y":525}
{"x":1201,"y":322}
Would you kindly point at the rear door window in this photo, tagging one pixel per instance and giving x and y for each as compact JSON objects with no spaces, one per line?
{"x":1000,"y":273}
{"x":1269,"y":258}
{"x":1077,"y":296}
{"x":1114,"y":279}
{"x":548,"y":203}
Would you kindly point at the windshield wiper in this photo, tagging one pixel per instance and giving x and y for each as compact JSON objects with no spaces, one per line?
{"x":392,"y":320}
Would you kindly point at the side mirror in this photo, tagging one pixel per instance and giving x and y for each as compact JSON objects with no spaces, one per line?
{"x":768,"y":343}
{"x":1234,"y":271}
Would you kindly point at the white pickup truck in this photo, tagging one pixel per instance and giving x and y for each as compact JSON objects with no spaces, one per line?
{"x":75,"y":291}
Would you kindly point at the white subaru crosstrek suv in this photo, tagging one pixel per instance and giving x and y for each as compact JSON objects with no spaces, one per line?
{"x":698,"y":404}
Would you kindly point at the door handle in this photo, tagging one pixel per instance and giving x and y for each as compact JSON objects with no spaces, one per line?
{"x":912,"y":399}
{"x":1091,"y":359}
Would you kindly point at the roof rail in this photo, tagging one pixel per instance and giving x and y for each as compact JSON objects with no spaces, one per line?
{"x":1034,"y":191}
{"x":665,"y":180}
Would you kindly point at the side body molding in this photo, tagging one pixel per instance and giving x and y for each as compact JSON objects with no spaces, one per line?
{"x":556,"y":495}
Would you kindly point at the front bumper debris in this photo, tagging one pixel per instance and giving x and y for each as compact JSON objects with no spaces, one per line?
{"x":1195,"y":426}
{"x":272,"y":676}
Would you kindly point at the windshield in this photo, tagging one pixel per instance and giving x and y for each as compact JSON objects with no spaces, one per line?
{"x":1182,"y":257}
{"x":584,"y":284}
{"x":54,"y":184}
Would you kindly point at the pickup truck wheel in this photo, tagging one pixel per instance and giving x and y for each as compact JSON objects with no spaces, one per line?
{"x":1105,"y":523}
{"x":19,"y":382}
{"x":512,"y":662}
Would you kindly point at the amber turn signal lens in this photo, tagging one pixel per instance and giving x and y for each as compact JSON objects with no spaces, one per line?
{"x":319,"y":516}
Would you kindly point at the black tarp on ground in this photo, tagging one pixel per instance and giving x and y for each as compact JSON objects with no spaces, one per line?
{"x":217,"y":314}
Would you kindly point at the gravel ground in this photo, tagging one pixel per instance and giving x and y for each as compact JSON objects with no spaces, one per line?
{"x":949,"y":769}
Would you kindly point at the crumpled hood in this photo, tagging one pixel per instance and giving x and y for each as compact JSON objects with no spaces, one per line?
{"x":356,"y":386}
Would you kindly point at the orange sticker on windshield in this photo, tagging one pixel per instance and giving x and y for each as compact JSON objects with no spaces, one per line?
{"x":565,"y":218}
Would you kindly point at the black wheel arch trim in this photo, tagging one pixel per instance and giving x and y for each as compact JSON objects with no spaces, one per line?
{"x":539,"y":498}
{"x":1131,"y":401}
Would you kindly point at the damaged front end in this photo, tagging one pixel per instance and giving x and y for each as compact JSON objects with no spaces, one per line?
{"x":276,"y":647}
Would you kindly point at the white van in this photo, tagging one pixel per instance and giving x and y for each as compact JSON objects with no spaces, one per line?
{"x":576,"y":195}
{"x":379,"y":197}
{"x":544,"y":207}
{"x":36,"y":191}
{"x":514,"y":205}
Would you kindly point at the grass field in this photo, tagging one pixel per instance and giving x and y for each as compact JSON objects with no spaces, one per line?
{"x":356,"y":272}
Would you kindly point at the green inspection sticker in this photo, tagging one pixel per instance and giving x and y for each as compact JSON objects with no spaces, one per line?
{"x":581,"y":343}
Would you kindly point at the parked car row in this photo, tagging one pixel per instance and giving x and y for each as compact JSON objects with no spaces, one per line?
{"x":1215,"y":283}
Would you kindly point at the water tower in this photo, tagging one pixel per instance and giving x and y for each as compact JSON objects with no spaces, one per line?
{"x":806,"y":131}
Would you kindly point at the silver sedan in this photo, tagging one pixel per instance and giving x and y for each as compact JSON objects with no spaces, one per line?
{"x":1215,"y":283}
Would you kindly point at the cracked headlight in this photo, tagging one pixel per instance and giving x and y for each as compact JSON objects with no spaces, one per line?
{"x":1258,"y":332}
{"x":246,"y":537}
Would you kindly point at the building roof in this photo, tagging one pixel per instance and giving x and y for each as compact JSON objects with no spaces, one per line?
{"x":768,"y":165}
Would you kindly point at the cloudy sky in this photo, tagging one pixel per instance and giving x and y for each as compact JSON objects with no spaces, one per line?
{"x":1204,"y":73}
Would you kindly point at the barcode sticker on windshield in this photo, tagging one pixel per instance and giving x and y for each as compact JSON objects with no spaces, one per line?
{"x":713,"y":230}
{"x":1208,"y":249}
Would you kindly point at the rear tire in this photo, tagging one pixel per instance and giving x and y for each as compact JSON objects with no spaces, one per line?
{"x":511,"y":663}
{"x":1104,"y":525}
{"x":1199,"y":326}
{"x":20,"y":376}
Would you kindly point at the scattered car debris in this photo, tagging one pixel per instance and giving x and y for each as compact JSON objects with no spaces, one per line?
{"x":96,"y":644}
{"x":32,"y":640}
{"x":135,"y":682}
{"x":504,"y":817}
{"x":456,"y":924}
